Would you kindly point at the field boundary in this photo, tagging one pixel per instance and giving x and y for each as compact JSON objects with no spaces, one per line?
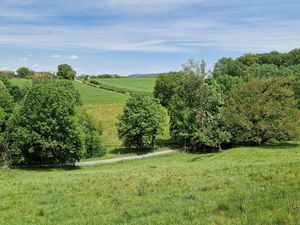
{"x":112,"y":88}
{"x":93,"y":163}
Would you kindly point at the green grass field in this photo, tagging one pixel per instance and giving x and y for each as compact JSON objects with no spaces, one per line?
{"x":138,"y":84}
{"x":238,"y":186}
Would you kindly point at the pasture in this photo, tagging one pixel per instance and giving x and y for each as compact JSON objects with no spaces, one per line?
{"x":238,"y":186}
{"x":136,"y":84}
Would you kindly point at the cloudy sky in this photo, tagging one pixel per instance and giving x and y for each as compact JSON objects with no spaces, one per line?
{"x":141,"y":36}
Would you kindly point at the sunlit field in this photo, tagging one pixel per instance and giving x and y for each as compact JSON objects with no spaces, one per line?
{"x":138,"y":84}
{"x":238,"y":186}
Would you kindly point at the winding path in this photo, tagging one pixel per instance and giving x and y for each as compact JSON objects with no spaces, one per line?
{"x":122,"y":159}
{"x":100,"y":162}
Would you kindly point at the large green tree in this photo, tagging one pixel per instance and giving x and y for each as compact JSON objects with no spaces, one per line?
{"x":45,"y":128}
{"x":262,"y":110}
{"x":141,"y":122}
{"x":196,"y":115}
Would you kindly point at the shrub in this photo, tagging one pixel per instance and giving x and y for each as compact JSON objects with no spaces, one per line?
{"x":140,"y":123}
{"x":92,"y":132}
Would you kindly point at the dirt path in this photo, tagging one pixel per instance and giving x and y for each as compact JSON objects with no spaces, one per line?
{"x":108,"y":161}
{"x":100,"y":162}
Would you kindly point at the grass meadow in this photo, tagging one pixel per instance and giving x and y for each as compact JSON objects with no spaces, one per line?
{"x":137,"y":84}
{"x":237,"y":186}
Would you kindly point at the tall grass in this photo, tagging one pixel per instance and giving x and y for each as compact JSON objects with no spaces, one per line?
{"x":238,"y":186}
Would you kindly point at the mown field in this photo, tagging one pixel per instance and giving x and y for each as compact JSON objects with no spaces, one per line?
{"x":138,"y":84}
{"x":238,"y":186}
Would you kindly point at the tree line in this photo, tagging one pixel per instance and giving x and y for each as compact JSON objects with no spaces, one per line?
{"x":250,"y":100}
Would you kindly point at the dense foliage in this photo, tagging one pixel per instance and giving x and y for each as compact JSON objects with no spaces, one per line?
{"x":46,"y":127}
{"x":254,"y":99}
{"x":66,"y":71}
{"x":13,"y":90}
{"x":196,"y":114}
{"x":91,"y":131}
{"x":140,"y":123}
{"x":262,"y":110}
{"x":23,"y":72}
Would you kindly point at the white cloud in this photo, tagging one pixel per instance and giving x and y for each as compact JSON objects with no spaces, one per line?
{"x":23,"y":59}
{"x":184,"y":35}
{"x":55,"y":56}
{"x":72,"y":57}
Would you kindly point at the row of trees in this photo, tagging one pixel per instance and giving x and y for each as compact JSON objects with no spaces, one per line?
{"x":65,"y":71}
{"x":251,"y":100}
{"x":248,"y":100}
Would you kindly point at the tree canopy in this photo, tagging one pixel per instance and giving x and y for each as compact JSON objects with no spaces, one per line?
{"x":141,"y":122}
{"x":65,"y":71}
{"x":262,"y":110}
{"x":44,"y":129}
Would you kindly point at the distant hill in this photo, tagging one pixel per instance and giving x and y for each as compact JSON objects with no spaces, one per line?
{"x":145,"y":75}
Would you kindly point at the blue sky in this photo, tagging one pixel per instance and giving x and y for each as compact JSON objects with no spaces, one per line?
{"x":139,"y":36}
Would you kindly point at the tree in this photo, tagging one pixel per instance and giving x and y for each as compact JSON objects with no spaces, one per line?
{"x":195,"y":67}
{"x":166,"y":85}
{"x":196,"y":115}
{"x":141,"y":122}
{"x":23,"y":72}
{"x":6,"y":109}
{"x":65,"y":71}
{"x":45,"y":129}
{"x":262,"y":110}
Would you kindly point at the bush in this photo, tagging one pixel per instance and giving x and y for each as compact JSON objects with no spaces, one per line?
{"x":140,"y":123}
{"x":44,"y":129}
{"x":94,"y":82}
{"x":263,"y":110}
{"x":92,"y":132}
{"x":13,"y":90}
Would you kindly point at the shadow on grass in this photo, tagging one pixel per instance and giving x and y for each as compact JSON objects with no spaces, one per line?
{"x":130,"y":151}
{"x":202,"y":156}
{"x":161,"y":144}
{"x":281,"y":146}
{"x":46,"y":168}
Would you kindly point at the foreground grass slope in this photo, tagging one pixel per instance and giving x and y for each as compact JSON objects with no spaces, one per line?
{"x":239,"y":186}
